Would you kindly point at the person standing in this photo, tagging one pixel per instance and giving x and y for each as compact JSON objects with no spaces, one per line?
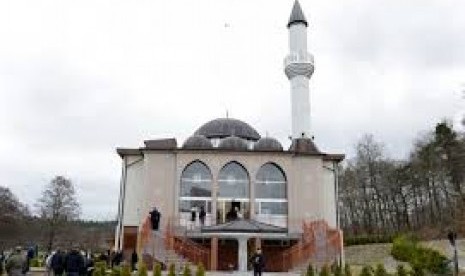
{"x":155,"y":216}
{"x":258,"y":262}
{"x":134,"y":260}
{"x":193,"y":216}
{"x":16,"y":263}
{"x":74,"y":263}
{"x":2,"y":260}
{"x":57,"y":263}
{"x":202,"y":215}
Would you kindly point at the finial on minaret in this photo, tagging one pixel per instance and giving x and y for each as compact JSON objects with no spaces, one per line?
{"x":297,"y":15}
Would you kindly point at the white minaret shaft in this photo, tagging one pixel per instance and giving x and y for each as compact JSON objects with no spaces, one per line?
{"x":299,"y":68}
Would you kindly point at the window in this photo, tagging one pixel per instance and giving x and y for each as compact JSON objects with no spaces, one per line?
{"x":271,"y":195}
{"x":233,"y":181}
{"x":196,"y":181}
{"x":270,"y":183}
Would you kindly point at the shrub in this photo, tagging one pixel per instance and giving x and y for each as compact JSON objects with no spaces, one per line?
{"x":172,"y":270}
{"x":325,"y":271}
{"x":125,"y":270}
{"x":407,"y":249}
{"x":310,"y":270}
{"x":401,"y":271}
{"x":347,"y":270}
{"x":200,"y":270}
{"x":338,"y":270}
{"x":417,"y":271}
{"x":115,"y":272}
{"x":142,"y":269}
{"x":187,"y":271}
{"x":100,"y":269}
{"x":156,"y":269}
{"x":366,"y":271}
{"x":35,"y":262}
{"x":380,"y":270}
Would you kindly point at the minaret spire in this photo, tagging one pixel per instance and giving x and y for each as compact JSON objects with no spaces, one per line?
{"x":297,"y":15}
{"x":298,"y":66}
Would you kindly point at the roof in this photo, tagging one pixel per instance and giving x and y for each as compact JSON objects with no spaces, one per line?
{"x":268,"y":144}
{"x":297,"y":15}
{"x":169,"y":143}
{"x":233,"y":143}
{"x":197,"y":142}
{"x":225,"y":127}
{"x":243,"y":226}
{"x":303,"y":145}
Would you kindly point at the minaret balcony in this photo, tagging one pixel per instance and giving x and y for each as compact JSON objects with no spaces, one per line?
{"x":299,"y":64}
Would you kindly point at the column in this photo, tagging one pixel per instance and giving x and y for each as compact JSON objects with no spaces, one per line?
{"x":242,"y":253}
{"x":214,"y":254}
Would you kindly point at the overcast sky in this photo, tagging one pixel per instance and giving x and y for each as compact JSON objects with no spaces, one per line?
{"x":80,"y":78}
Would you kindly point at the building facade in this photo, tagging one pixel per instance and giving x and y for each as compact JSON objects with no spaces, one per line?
{"x":253,"y":192}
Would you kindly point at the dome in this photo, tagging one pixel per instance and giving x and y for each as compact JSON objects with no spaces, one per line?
{"x":226,"y":127}
{"x":197,"y":142}
{"x":268,"y":144}
{"x":233,"y":143}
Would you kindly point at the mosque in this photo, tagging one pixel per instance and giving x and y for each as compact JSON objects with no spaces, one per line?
{"x":252,"y":192}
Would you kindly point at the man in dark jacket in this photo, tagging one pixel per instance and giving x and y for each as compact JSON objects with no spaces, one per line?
{"x":58,"y":263}
{"x":155,"y":219}
{"x":74,"y":263}
{"x":134,"y":260}
{"x":258,"y":262}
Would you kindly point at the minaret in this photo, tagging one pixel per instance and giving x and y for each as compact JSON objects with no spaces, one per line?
{"x":298,"y":66}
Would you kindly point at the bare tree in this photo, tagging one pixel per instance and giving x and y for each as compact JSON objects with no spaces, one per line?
{"x":57,"y":206}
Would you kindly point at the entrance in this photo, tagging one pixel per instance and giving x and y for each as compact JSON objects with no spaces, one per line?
{"x":231,"y":209}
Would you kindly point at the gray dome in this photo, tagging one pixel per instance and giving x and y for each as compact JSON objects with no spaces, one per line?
{"x":268,"y":144}
{"x":226,"y":127}
{"x":233,"y":143}
{"x":197,"y":142}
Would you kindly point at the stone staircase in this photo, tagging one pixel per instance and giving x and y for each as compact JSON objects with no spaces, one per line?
{"x":156,"y":248}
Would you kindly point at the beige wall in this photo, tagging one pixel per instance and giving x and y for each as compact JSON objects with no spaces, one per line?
{"x":156,"y":181}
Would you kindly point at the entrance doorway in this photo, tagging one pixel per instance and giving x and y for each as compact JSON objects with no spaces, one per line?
{"x":230,"y":209}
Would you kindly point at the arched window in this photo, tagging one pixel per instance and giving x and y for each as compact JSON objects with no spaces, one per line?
{"x":271,"y":182}
{"x":195,"y":189}
{"x":271,"y":195}
{"x":233,"y":181}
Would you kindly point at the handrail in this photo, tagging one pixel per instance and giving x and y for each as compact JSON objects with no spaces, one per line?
{"x":306,"y":248}
{"x":188,"y":249}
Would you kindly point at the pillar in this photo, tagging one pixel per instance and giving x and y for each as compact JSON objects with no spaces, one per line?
{"x":242,"y":254}
{"x":214,"y":254}
{"x":258,"y":243}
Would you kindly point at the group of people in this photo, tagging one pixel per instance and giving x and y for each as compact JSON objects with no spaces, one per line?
{"x":71,"y":263}
{"x":200,"y":213}
{"x":16,"y":263}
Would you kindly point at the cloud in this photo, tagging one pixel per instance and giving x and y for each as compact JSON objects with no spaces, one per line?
{"x":79,"y":78}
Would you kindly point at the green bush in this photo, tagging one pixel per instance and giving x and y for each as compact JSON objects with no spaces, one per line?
{"x":200,"y":270}
{"x":418,"y":271}
{"x":367,"y":239}
{"x":172,"y":270}
{"x":401,"y":271}
{"x":35,"y":262}
{"x":125,"y":270}
{"x":407,"y":249}
{"x":116,"y":271}
{"x":325,"y":271}
{"x":310,"y":270}
{"x":156,"y":269}
{"x":142,"y":269}
{"x":187,"y":271}
{"x":366,"y":271}
{"x":100,"y":269}
{"x":380,"y":270}
{"x":347,"y":270}
{"x":338,"y":270}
